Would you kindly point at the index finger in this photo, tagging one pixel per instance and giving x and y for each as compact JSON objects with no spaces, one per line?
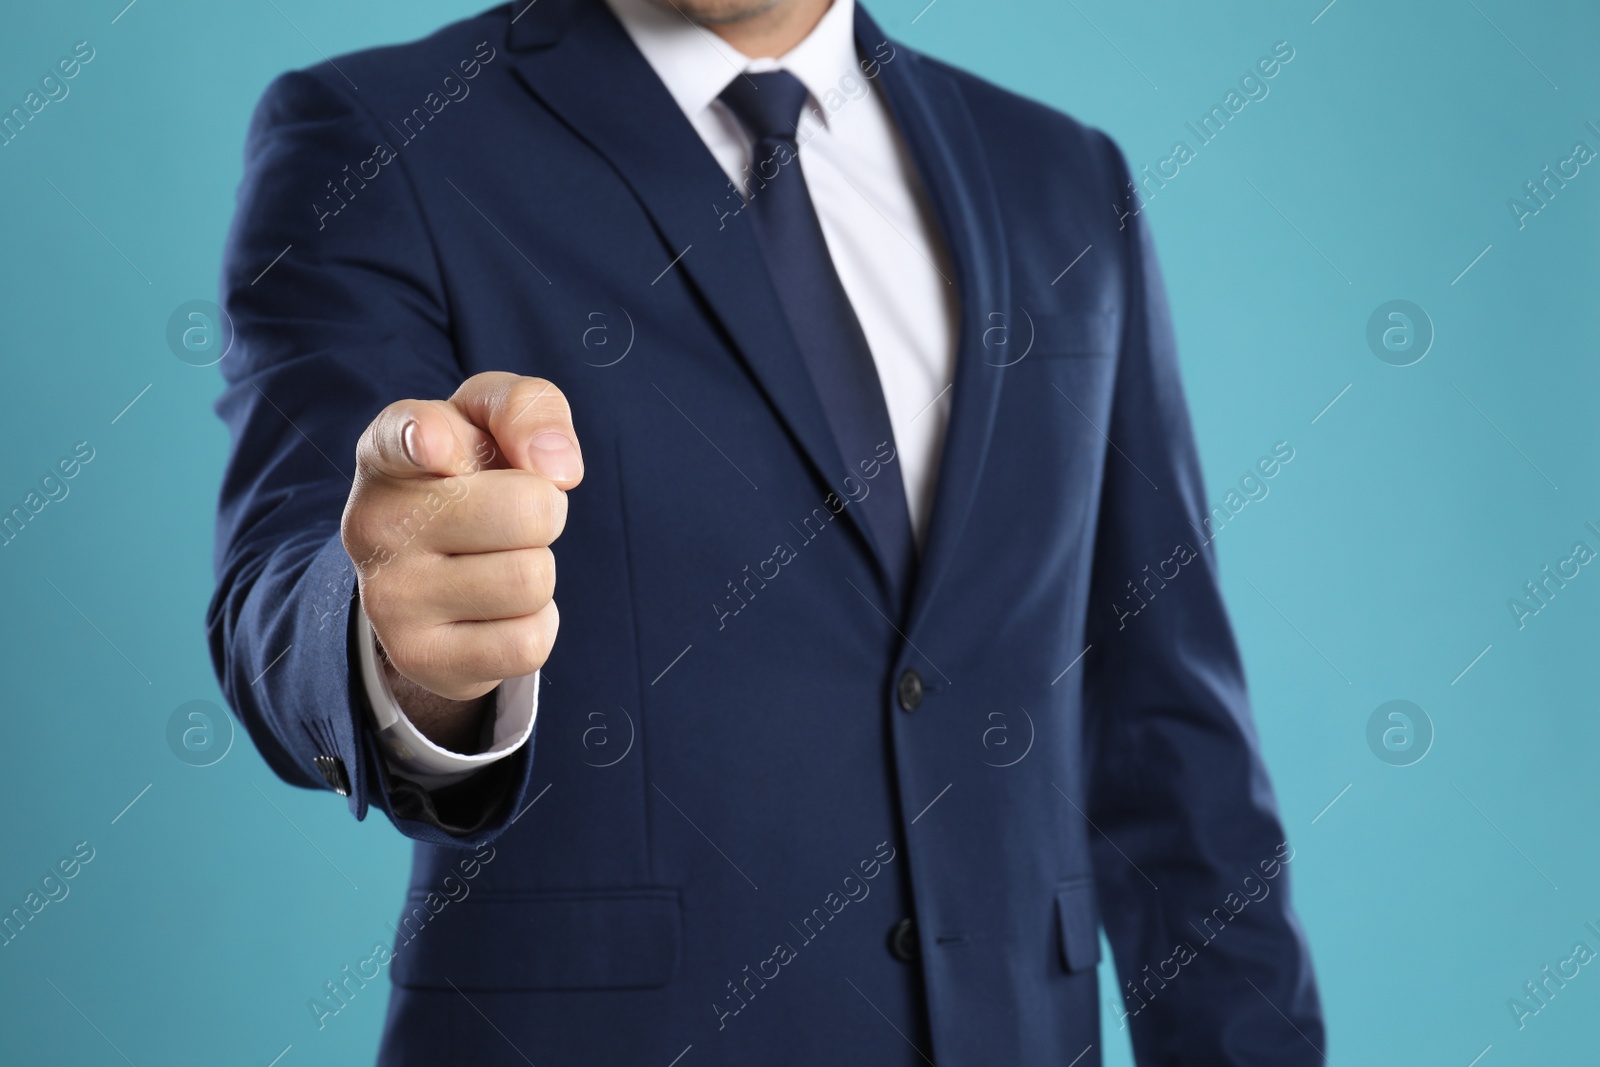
{"x":530,"y":421}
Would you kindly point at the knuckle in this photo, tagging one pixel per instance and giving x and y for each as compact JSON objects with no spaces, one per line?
{"x":558,"y":510}
{"x":548,"y":513}
{"x":521,"y":587}
{"x":509,"y":519}
{"x":480,"y":384}
{"x":367,"y":445}
{"x":536,"y":576}
{"x":349,"y":527}
{"x":535,"y":398}
{"x":358,"y":524}
{"x":519,"y":511}
{"x":530,"y":648}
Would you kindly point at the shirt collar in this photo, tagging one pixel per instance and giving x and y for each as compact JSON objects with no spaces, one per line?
{"x":696,"y":65}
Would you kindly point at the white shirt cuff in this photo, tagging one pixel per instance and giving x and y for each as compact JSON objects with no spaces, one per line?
{"x":411,"y":754}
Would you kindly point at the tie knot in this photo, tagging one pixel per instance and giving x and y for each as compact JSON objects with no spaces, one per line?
{"x":768,"y":103}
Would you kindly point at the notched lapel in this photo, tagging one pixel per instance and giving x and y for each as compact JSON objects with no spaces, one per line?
{"x":577,"y":59}
{"x":943,"y":140}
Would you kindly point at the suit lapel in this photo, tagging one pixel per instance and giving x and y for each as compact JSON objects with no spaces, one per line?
{"x":943,"y":141}
{"x":579,"y":61}
{"x":563,"y":50}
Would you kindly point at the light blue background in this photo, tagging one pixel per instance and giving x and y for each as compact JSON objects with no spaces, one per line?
{"x":1378,"y":568}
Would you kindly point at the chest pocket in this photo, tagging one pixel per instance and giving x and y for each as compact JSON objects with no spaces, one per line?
{"x":1089,"y":334}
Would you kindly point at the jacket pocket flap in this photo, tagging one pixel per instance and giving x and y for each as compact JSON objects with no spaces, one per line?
{"x":1079,"y":925}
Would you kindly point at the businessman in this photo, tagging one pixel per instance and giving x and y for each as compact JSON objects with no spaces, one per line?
{"x":840,"y":383}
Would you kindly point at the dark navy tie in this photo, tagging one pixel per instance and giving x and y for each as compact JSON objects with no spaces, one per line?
{"x":825,"y":325}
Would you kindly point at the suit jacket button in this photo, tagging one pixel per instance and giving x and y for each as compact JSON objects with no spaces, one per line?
{"x":910,"y":690}
{"x":332,"y":770}
{"x":903,"y":941}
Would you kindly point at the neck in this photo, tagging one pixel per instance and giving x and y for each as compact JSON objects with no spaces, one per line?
{"x":771,"y":31}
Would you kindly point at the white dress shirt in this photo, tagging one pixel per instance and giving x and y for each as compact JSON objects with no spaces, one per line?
{"x":885,"y":245}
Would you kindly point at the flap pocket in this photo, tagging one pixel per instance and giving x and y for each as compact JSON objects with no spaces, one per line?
{"x":596,"y":939}
{"x":1075,"y":334}
{"x":1079,"y":923}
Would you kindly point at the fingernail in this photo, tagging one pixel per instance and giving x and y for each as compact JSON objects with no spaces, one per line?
{"x":409,"y":442}
{"x":555,"y":457}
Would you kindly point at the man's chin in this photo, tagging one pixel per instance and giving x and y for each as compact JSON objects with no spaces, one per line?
{"x":720,"y":12}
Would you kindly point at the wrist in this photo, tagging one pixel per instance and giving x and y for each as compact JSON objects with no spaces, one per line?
{"x":454,"y":725}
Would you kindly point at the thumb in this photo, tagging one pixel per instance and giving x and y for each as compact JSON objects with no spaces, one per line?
{"x":422,"y":439}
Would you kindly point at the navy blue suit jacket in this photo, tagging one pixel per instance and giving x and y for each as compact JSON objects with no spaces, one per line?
{"x":726,"y":807}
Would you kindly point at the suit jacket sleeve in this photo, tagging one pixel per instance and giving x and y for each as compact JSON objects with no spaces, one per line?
{"x":338,"y":308}
{"x":1188,"y":847}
